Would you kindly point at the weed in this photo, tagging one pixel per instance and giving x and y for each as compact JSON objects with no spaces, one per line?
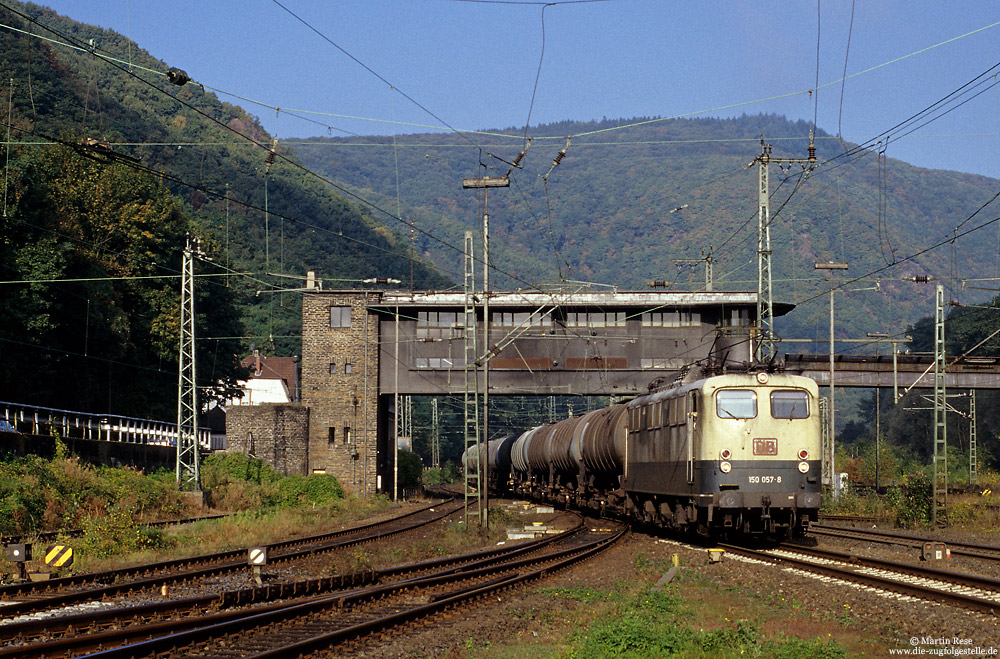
{"x":585,"y":595}
{"x":649,"y":625}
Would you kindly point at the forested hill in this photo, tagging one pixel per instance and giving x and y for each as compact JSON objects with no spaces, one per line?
{"x":625,"y":202}
{"x":110,"y":165}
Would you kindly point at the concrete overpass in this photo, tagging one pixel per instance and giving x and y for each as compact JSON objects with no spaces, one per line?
{"x":877,"y":370}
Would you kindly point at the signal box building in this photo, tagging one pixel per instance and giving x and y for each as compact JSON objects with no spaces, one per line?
{"x":361,"y":348}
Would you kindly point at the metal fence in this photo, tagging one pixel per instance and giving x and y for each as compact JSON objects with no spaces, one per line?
{"x":31,"y":420}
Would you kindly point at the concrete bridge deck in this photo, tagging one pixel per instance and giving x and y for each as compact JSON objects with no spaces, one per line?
{"x":877,"y":370}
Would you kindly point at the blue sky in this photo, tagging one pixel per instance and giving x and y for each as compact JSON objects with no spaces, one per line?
{"x":473,"y":65}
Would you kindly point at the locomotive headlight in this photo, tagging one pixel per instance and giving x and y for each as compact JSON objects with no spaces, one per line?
{"x":762,"y":377}
{"x":803,"y":467}
{"x":725,"y":454}
{"x":726,"y":467}
{"x":803,"y":454}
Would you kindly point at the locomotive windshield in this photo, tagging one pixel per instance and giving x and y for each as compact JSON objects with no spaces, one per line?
{"x":789,"y":405}
{"x":736,"y":404}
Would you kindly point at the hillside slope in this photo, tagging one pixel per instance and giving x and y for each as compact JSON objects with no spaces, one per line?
{"x":624,"y":203}
{"x":75,"y":82}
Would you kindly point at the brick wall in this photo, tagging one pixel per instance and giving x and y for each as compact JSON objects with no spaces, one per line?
{"x":343,"y":405}
{"x":274,"y":432}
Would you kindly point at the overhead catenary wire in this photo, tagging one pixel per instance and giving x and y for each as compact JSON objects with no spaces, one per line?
{"x":370,"y":70}
{"x":266,"y":147}
{"x":465,"y":132}
{"x":843,"y":82}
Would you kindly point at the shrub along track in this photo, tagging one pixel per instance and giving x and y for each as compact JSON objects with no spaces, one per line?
{"x":314,"y":619}
{"x":32,"y":597}
{"x":52,"y":536}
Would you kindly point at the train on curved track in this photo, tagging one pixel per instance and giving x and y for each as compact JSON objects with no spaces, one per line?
{"x":731,"y":454}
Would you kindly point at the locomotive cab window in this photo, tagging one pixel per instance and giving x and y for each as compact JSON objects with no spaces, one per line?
{"x":736,"y":404}
{"x":789,"y":405}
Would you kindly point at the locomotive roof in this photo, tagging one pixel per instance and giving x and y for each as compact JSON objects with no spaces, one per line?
{"x":728,"y":380}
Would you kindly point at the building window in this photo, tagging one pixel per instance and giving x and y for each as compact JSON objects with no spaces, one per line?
{"x":332,"y":435}
{"x":671,"y":319}
{"x":437,"y":324}
{"x":347,"y":435}
{"x":447,"y":363}
{"x":597,"y":319}
{"x":340,"y":316}
{"x":739,"y":317}
{"x":348,"y":368}
{"x":333,"y":367}
{"x":520,"y":319}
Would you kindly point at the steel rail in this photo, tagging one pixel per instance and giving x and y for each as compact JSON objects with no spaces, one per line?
{"x":362,"y":534}
{"x":885,"y":537}
{"x":981,"y":605}
{"x":213,"y":628}
{"x":302,"y":591}
{"x":958,"y":578}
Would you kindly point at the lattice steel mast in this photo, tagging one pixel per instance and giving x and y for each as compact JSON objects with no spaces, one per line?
{"x":939,"y":513}
{"x":765,"y":348}
{"x":973,"y":458}
{"x":188,"y":470}
{"x":471,"y":393}
{"x":435,"y":435}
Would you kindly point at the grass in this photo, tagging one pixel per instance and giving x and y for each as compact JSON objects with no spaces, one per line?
{"x":693,"y":616}
{"x":234,"y":532}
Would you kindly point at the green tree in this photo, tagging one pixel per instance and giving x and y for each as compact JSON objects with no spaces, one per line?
{"x":92,"y":251}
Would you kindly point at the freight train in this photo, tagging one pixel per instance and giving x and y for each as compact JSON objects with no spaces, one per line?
{"x":731,"y":454}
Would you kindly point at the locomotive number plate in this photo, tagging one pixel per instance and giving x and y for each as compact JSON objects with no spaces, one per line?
{"x":765,"y":446}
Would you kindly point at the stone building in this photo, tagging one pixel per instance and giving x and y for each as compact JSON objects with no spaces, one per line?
{"x":361,"y":348}
{"x":340,"y":357}
{"x":274,"y":432}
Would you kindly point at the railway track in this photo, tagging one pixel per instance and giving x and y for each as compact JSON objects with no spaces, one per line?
{"x":968,"y":591}
{"x":989,"y":552}
{"x":319,"y":616}
{"x":33,"y":597}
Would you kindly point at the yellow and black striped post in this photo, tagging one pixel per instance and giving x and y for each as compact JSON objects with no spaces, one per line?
{"x":59,"y":556}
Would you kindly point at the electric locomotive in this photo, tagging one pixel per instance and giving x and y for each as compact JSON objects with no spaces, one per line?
{"x":737,"y":453}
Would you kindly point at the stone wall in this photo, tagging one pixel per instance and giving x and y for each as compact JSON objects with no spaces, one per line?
{"x":342,"y":400}
{"x":274,"y":432}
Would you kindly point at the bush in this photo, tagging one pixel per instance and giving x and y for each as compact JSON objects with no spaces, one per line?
{"x":914,"y":501}
{"x":314,"y":489}
{"x":447,"y":474}
{"x":410,"y":469}
{"x":223,"y":468}
{"x":117,"y":532}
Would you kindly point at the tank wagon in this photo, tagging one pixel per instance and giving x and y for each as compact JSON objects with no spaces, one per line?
{"x":497,"y":451}
{"x":738,"y":453}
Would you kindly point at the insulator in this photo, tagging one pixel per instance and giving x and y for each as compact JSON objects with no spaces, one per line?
{"x":271,"y":152}
{"x":559,"y":157}
{"x":812,"y":152}
{"x":178,"y":77}
{"x":659,"y":283}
